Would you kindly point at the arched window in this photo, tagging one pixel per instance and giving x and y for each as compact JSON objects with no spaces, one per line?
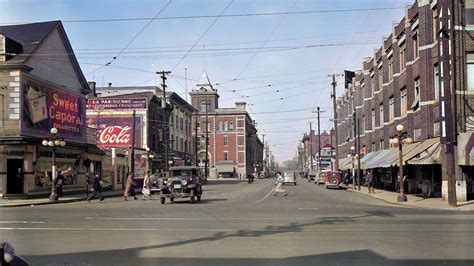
{"x":231,"y":125}
{"x":220,"y":126}
{"x":203,"y":106}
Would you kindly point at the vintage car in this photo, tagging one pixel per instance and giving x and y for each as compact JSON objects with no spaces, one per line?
{"x":289,"y":177}
{"x":183,"y":182}
{"x":332,"y":179}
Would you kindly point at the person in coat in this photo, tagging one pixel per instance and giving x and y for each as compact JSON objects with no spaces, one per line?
{"x":129,"y":187}
{"x":146,"y":186}
{"x":280,"y":186}
{"x":97,"y":186}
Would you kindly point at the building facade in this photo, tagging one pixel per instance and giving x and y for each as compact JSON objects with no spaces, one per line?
{"x":42,"y":87}
{"x":234,"y":149}
{"x":406,"y":83}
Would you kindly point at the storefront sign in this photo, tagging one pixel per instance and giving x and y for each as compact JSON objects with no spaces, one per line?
{"x":45,"y":107}
{"x":116,"y":103}
{"x":116,"y":131}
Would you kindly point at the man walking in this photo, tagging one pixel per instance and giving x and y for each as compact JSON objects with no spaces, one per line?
{"x":97,"y":187}
{"x":370,"y":182}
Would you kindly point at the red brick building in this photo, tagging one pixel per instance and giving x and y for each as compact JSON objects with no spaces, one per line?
{"x":234,"y":149}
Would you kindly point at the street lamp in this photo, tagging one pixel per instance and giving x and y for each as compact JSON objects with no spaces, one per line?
{"x":53,"y":142}
{"x":401,"y":138}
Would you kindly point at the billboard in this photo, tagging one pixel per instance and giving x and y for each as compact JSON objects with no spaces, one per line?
{"x":116,"y":103}
{"x":45,"y":107}
{"x":116,"y":131}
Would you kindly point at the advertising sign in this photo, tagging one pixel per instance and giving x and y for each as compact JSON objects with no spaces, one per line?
{"x":116,"y":131}
{"x":45,"y":107}
{"x":116,"y":103}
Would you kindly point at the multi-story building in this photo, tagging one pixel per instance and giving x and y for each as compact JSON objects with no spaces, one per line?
{"x":234,"y":148}
{"x":407,"y":82}
{"x":42,"y":87}
{"x":311,"y":143}
{"x":180,"y":119}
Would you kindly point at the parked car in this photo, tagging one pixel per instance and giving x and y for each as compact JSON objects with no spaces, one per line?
{"x":332,"y":179}
{"x":183,"y":182}
{"x":322,"y":177}
{"x":158,"y":182}
{"x":289,"y":178}
{"x":311,"y":175}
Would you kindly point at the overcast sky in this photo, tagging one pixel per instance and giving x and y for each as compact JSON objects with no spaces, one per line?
{"x":244,"y":54}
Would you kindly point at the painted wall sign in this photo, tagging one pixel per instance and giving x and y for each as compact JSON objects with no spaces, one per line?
{"x":116,"y":131}
{"x":116,"y":103}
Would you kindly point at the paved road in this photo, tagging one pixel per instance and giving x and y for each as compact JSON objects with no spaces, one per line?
{"x":238,"y":224}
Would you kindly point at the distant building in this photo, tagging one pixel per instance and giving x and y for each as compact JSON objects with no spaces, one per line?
{"x":234,"y":148}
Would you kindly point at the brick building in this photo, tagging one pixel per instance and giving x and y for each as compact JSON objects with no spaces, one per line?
{"x":403,"y":84}
{"x":234,"y":148}
{"x":311,"y":146}
{"x":41,"y":87}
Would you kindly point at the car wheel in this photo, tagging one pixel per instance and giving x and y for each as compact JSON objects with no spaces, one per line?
{"x":192,"y":199}
{"x":199,"y":198}
{"x":163,"y":200}
{"x":171,"y":199}
{"x":295,"y":183}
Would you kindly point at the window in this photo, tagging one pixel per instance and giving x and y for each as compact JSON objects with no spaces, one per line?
{"x":176,"y":143}
{"x":176,"y":122}
{"x":363,"y":125}
{"x":226,"y":140}
{"x":390,"y":69}
{"x":373,"y":119}
{"x":203,"y":107}
{"x":372,"y":86}
{"x":181,"y":144}
{"x":171,"y":139}
{"x":470,"y":71}
{"x":181,"y":124}
{"x":435,"y":22}
{"x":381,"y":114}
{"x":380,"y":79}
{"x":416,"y":102}
{"x":382,"y":144}
{"x":402,"y":57}
{"x":220,"y":125}
{"x":373,"y":146}
{"x":231,"y":125}
{"x":171,"y":119}
{"x":416,"y":45}
{"x":391,"y":109}
{"x":226,"y":156}
{"x":403,"y":102}
{"x":226,"y":126}
{"x":436,"y":82}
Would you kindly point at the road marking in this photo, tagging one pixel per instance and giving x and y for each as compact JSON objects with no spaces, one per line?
{"x":203,"y":218}
{"x":308,"y":209}
{"x":21,"y":222}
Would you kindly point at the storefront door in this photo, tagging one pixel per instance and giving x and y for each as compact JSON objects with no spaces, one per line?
{"x":15,"y":178}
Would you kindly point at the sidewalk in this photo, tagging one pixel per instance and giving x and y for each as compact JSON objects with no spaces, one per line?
{"x":414,"y":201}
{"x":45,"y":200}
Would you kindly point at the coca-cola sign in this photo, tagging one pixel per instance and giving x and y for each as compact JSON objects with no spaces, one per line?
{"x":116,"y":131}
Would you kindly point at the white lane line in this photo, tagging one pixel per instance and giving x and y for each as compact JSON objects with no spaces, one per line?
{"x":303,"y":209}
{"x":194,"y":219}
{"x":21,"y":222}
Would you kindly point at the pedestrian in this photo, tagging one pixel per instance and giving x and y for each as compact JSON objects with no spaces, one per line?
{"x":280,"y":186}
{"x":370,"y":181}
{"x":129,"y":187}
{"x":97,"y":188}
{"x":146,"y":186}
{"x":20,"y":176}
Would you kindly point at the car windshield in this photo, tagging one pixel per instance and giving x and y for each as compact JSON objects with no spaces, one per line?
{"x":237,"y":132}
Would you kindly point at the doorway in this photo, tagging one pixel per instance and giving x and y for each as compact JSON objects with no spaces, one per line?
{"x":14,"y":179}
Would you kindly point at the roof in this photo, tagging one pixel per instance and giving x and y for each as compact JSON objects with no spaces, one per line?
{"x":30,"y":36}
{"x":430,"y":155}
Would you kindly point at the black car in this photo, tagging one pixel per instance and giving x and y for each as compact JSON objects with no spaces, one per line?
{"x":183,"y":182}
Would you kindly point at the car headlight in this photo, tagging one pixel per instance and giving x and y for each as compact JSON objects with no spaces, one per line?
{"x":185,"y":182}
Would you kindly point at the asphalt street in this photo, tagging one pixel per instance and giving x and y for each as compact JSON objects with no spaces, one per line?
{"x":241,"y":224}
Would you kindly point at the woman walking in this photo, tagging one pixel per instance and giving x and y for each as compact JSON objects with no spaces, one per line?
{"x":129,"y":187}
{"x":146,"y":186}
{"x":280,"y":187}
{"x":370,"y":182}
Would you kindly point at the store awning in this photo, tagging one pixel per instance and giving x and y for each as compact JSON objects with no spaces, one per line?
{"x":368,"y":158}
{"x":226,"y":168}
{"x":345,"y":163}
{"x":412,"y":151}
{"x":431,"y":155}
{"x":379,"y":159}
{"x":466,"y":149}
{"x":406,"y":149}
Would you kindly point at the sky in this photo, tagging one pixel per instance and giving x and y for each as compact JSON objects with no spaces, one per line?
{"x":278,"y":64}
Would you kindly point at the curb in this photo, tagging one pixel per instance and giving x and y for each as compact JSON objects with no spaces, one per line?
{"x":410,"y":206}
{"x":26,"y":204}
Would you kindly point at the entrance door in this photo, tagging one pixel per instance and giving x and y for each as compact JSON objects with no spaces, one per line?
{"x":14,"y":179}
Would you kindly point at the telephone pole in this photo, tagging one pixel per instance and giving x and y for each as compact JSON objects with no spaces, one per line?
{"x":318,"y":111}
{"x":334,"y":106}
{"x":311,"y":144}
{"x":196,"y":144}
{"x":164,"y":106}
{"x":206,"y":164}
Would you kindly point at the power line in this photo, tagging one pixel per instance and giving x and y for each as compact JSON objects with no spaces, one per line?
{"x":223,"y":16}
{"x":133,"y":39}
{"x":202,"y":35}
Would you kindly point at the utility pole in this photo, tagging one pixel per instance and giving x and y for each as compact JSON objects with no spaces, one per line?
{"x":354,"y":124}
{"x":206,"y":164}
{"x":264,"y":162}
{"x":318,"y":111}
{"x":164,"y":106}
{"x":333,"y":95}
{"x":196,"y":143}
{"x":311,"y":144}
{"x":358,"y":153}
{"x":132,"y":149}
{"x":447,"y":99}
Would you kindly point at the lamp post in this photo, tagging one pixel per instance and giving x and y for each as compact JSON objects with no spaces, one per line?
{"x":400,"y":138}
{"x":352,"y":155}
{"x":53,"y":142}
{"x":150,"y":155}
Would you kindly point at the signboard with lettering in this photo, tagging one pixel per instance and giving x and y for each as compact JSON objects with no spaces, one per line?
{"x":45,"y":107}
{"x":116,"y":103}
{"x":116,"y":131}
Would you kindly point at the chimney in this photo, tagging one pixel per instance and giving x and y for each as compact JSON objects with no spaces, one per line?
{"x":240,"y":106}
{"x":92,"y":88}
